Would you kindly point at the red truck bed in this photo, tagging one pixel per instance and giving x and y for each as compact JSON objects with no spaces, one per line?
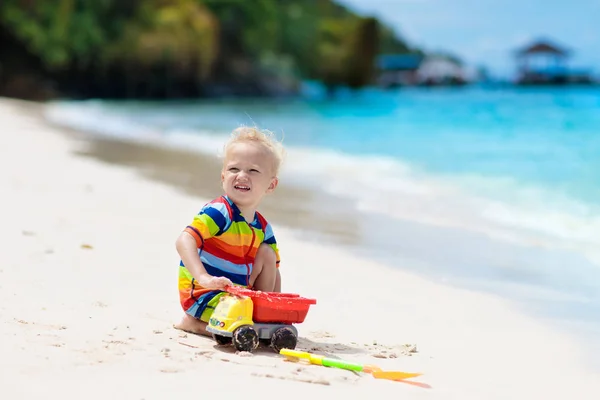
{"x":286,"y":308}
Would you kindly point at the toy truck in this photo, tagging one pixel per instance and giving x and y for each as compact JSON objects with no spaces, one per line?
{"x":245,"y":318}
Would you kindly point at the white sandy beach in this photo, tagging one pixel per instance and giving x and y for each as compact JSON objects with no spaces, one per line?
{"x":88,"y":275}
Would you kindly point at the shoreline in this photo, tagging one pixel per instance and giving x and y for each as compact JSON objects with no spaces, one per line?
{"x":466,"y":341}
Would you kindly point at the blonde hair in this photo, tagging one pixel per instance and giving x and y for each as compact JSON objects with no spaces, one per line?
{"x":263,"y":137}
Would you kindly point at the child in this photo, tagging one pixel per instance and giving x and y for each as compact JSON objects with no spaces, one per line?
{"x":229,"y":242}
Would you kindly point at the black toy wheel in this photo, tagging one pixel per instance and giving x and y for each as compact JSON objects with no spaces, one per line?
{"x":283,"y":338}
{"x":245,"y":338}
{"x":221,"y":340}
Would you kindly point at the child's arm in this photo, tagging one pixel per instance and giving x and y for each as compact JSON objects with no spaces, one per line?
{"x":188,"y":251}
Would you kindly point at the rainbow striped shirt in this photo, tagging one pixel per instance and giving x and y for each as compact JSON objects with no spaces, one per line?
{"x":227,"y":245}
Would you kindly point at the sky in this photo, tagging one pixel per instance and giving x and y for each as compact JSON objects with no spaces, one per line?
{"x":485,"y":32}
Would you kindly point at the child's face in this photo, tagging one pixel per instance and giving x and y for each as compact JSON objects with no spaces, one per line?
{"x":248,"y":173}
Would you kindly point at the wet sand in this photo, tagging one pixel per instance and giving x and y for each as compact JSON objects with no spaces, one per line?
{"x":199,"y":175}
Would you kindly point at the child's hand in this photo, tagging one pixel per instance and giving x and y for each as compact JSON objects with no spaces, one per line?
{"x":217,"y":283}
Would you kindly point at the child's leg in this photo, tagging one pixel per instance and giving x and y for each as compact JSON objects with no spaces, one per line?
{"x":277,"y":282}
{"x":192,"y":325}
{"x":198,"y":325}
{"x":265,"y":275}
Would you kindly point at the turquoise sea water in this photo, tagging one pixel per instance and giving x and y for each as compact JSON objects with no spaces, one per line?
{"x":518,"y":168}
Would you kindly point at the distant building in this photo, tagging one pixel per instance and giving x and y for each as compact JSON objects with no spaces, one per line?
{"x":419,"y":70}
{"x":542,"y":62}
{"x":441,"y":70}
{"x":398,"y":69}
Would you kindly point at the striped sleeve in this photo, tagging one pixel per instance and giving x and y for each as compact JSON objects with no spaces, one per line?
{"x":211,"y":221}
{"x":271,"y":241}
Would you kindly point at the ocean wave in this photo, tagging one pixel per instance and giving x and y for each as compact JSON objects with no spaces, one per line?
{"x":93,"y":117}
{"x":500,"y":208}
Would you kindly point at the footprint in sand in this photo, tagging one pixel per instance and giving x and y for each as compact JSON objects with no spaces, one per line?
{"x":205,"y":354}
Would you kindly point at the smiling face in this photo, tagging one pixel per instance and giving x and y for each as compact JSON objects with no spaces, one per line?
{"x":248,"y":175}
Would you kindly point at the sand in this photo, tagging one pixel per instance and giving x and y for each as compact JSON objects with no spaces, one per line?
{"x":88,"y":298}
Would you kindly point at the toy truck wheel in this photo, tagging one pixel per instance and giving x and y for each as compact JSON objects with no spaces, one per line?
{"x":245,"y":338}
{"x":283,"y":338}
{"x":221,"y":340}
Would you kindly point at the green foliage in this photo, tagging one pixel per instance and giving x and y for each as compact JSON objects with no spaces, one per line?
{"x":333,"y":48}
{"x":58,"y":32}
{"x":299,"y":35}
{"x":178,"y":33}
{"x":249,"y":28}
{"x":364,"y":47}
{"x":389,"y":43}
{"x":328,"y":42}
{"x":314,"y":39}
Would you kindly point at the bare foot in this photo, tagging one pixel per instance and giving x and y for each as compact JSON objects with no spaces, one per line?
{"x":192,"y":325}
